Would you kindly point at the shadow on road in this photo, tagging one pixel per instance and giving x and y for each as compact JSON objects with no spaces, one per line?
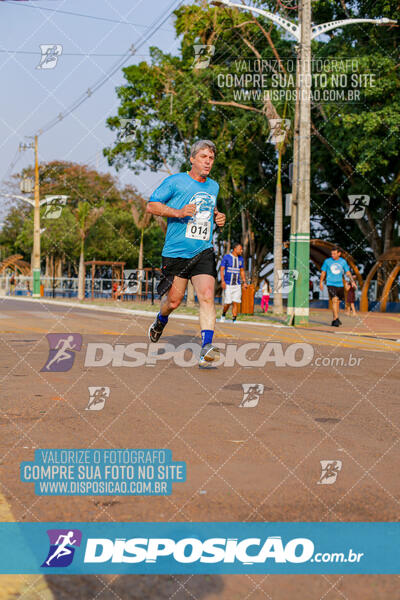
{"x":133,"y":587}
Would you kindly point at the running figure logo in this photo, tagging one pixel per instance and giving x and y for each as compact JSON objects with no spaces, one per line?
{"x":128,"y":130}
{"x":62,"y":351}
{"x":202,"y":55}
{"x":97,"y":397}
{"x":62,"y":547}
{"x":329,"y":471}
{"x":278,"y":130}
{"x":54,"y":206}
{"x":50,"y":55}
{"x":357,"y":207}
{"x":286,"y":279}
{"x":251,"y":394}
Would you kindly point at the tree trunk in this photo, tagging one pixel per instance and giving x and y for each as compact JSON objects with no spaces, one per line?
{"x":140,"y":264}
{"x":190,"y":294}
{"x":81,"y":273}
{"x":278,"y":304}
{"x":47,"y":268}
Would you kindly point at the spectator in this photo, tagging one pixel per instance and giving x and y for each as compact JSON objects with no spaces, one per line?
{"x":265,"y":291}
{"x":12,"y":285}
{"x":350,"y":299}
{"x":333,"y":269}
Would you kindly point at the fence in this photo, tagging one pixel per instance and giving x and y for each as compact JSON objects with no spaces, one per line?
{"x":67,"y":287}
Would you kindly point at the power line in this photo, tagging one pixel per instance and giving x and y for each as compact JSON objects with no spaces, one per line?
{"x":164,"y":17}
{"x":67,"y":12}
{"x":117,"y":66}
{"x":37,"y":53}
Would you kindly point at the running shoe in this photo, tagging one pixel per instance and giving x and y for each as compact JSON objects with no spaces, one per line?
{"x":208,"y":354}
{"x":221,"y":319}
{"x":155,"y":330}
{"x":336,"y":323}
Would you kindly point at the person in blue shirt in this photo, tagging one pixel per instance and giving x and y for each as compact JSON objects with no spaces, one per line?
{"x":232,"y":276}
{"x":189,"y":201}
{"x":334,"y":269}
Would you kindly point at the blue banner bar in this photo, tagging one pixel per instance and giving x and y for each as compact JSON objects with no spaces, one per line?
{"x":302,"y":548}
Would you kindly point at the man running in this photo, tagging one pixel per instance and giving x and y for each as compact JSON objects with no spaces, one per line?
{"x":189,"y":201}
{"x":334,"y":269}
{"x":63,"y":345}
{"x":62,"y":546}
{"x":232,"y":276}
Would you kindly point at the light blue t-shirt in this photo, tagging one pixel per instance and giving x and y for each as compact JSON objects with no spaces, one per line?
{"x":335,"y":270}
{"x":232,"y":265}
{"x":189,"y":236}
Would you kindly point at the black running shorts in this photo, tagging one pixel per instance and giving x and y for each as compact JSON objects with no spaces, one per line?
{"x":336,"y":292}
{"x":201,"y":264}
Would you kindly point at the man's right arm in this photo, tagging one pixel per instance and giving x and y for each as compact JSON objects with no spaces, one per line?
{"x":162,"y":210}
{"x":323,"y":275}
{"x":157,"y":205}
{"x":222,"y":277}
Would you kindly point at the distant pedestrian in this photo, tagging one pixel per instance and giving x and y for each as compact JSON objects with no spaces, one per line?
{"x":232,"y":279}
{"x":350,"y":299}
{"x":265,"y":291}
{"x":334,"y":269}
{"x":12,"y":285}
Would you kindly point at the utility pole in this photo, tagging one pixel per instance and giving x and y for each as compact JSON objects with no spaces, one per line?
{"x":35,"y":261}
{"x":36,"y":229}
{"x":295,"y":184}
{"x":301,"y":235}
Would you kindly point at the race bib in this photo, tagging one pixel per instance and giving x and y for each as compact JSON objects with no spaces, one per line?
{"x":198,"y":230}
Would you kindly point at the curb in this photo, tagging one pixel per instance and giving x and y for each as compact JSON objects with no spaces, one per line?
{"x":140,"y":313}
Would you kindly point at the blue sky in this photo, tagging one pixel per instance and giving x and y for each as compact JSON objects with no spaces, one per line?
{"x":31,"y":97}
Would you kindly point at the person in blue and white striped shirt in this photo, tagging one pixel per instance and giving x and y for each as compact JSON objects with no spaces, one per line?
{"x":232,"y":276}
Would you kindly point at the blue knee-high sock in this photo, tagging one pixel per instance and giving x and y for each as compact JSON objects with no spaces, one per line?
{"x":163,"y":319}
{"x":206,"y":337}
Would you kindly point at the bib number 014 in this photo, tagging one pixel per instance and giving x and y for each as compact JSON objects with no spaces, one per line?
{"x":198,"y":231}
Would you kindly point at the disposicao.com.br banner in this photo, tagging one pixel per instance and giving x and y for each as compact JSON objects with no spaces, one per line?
{"x":157,"y":548}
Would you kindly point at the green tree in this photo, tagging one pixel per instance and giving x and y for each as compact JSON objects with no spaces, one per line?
{"x":172,"y":104}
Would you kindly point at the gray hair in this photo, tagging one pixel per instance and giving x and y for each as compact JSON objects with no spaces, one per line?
{"x":197,"y":146}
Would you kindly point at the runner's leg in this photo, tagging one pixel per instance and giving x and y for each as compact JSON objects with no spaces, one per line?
{"x":225,"y":309}
{"x":174,"y":297}
{"x":234,"y":309}
{"x":335,"y":307}
{"x":204,"y":286}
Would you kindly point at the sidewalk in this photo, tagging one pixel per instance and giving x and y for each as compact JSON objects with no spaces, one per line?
{"x":371,"y":324}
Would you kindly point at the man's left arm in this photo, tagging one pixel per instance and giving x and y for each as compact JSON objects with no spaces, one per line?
{"x":243,"y":277}
{"x":219,"y":217}
{"x":242,"y":273}
{"x":350,"y":276}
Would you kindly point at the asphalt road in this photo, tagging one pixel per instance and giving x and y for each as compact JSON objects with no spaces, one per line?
{"x":254,"y":463}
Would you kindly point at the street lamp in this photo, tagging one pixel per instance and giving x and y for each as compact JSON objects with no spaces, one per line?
{"x":299,"y":258}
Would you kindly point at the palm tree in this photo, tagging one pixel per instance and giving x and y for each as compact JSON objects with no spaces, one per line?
{"x":143,"y":221}
{"x":85,"y":216}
